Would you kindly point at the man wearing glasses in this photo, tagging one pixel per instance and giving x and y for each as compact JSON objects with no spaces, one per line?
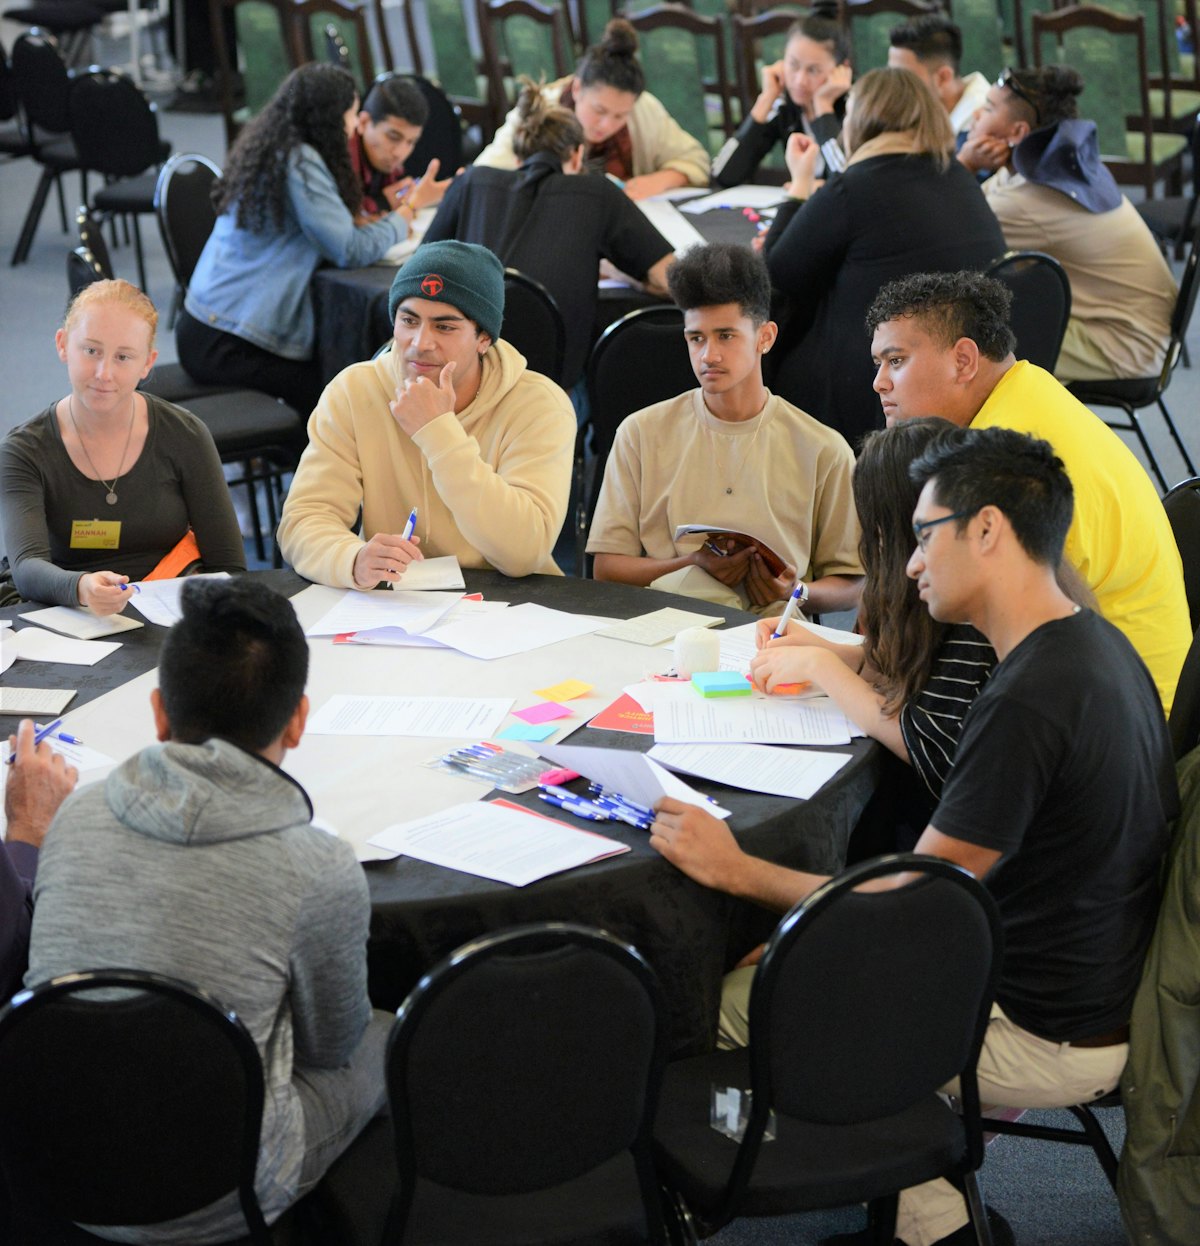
{"x":1059,"y":798}
{"x":942,"y":345}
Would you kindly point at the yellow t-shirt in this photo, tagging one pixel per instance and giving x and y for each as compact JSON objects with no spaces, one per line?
{"x":1120,"y":539}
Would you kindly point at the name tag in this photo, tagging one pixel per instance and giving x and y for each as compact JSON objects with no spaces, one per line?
{"x":96,"y":534}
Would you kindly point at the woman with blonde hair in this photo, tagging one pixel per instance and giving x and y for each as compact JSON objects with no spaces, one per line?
{"x":902,"y":206}
{"x":109,"y":483}
{"x":552,"y":225}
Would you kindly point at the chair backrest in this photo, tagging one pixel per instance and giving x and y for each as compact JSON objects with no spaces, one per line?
{"x":639,"y":360}
{"x":442,"y":133}
{"x":759,"y":39}
{"x":525,"y":1059}
{"x":127,"y":1098}
{"x":42,"y":81}
{"x":866,"y":1003}
{"x":263,"y":54}
{"x":1041,"y":303}
{"x":683,"y":57}
{"x":1022,"y":18}
{"x":1109,"y":51}
{"x":82,"y":270}
{"x":520,"y":37}
{"x":184,"y":207}
{"x":456,"y":68}
{"x":322,"y":27}
{"x":869,"y":25}
{"x":9,"y":102}
{"x":1184,"y":720}
{"x":113,"y":125}
{"x":1182,"y":504}
{"x":534,"y":324}
{"x":982,"y":36}
{"x":1185,"y":306}
{"x":91,"y":236}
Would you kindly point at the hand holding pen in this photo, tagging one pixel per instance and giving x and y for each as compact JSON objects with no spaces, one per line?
{"x":385,"y":556}
{"x":795,"y":602}
{"x":39,"y":782}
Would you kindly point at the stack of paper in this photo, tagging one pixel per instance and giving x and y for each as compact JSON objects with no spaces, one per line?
{"x":683,"y":717}
{"x":82,"y":624}
{"x":449,"y":718}
{"x":158,"y":600}
{"x":754,"y":767}
{"x":659,"y":626}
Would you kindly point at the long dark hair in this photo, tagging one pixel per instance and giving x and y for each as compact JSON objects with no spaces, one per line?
{"x":901,"y":636}
{"x":307,"y":108}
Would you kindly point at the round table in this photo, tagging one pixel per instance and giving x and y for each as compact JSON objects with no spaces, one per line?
{"x":690,"y":934}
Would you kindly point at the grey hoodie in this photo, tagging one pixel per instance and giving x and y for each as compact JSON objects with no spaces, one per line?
{"x":198,"y":861}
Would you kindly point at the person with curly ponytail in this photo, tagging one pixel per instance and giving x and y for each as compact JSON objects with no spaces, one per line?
{"x":1051,"y":192}
{"x":286,"y":202}
{"x":629,"y":134}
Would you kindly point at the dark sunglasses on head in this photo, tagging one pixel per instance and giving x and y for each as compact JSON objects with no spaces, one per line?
{"x":1008,"y":79}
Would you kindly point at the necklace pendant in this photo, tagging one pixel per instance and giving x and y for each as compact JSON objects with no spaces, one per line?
{"x":111,"y":498}
{"x":730,"y":489}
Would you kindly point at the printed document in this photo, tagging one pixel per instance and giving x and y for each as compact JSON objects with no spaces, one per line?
{"x":440,"y":718}
{"x":754,"y":767}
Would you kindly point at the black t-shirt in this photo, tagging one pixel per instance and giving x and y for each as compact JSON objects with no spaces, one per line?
{"x":556,"y":228}
{"x":1065,"y":766}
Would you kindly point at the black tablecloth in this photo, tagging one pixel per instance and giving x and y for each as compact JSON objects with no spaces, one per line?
{"x":691,"y":935}
{"x":351,"y":303}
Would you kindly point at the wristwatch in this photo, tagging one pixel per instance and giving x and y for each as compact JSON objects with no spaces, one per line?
{"x":802,"y":589}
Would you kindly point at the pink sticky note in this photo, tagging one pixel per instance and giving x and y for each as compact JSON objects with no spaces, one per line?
{"x":543,"y":712}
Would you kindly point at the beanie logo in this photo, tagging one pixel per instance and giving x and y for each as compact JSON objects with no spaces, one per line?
{"x":432,"y":285}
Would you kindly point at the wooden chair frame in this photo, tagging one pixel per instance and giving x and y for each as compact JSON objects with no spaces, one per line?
{"x":492,"y":15}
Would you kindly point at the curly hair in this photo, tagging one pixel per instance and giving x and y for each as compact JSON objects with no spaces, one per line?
{"x":950,"y":306}
{"x":307,"y":108}
{"x":901,"y":639}
{"x":722,"y":272}
{"x":1050,"y":93}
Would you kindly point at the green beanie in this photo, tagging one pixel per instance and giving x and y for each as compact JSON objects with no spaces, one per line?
{"x":463,"y":274}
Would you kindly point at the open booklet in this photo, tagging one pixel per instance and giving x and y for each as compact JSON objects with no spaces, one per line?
{"x":725,"y":541}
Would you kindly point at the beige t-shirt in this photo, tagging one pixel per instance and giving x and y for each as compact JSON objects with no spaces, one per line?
{"x":782,"y":477}
{"x":1122,"y":292}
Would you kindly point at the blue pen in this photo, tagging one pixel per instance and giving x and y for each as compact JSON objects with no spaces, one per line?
{"x":623,"y":814}
{"x":411,"y":526}
{"x":643,"y":811}
{"x":67,"y":739}
{"x":581,"y":809}
{"x":795,"y":601}
{"x":38,"y":736}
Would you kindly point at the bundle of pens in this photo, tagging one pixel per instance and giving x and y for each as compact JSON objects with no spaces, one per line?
{"x":509,"y":772}
{"x":600,"y":805}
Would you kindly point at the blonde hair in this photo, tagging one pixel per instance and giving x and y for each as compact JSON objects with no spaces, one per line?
{"x":542,"y":126}
{"x":119,"y":292}
{"x":886,"y":101}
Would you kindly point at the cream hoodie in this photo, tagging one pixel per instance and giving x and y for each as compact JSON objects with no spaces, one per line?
{"x":490,"y":483}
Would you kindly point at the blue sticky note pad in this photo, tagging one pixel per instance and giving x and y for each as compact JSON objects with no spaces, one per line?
{"x":721,"y":684}
{"x":529,"y":731}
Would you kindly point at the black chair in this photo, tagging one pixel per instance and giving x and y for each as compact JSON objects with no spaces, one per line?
{"x":69,"y":21}
{"x":82,"y":269}
{"x":125,"y":1098}
{"x":533,"y":324}
{"x":1041,"y":303}
{"x":1184,"y":722}
{"x":862,"y":1007}
{"x":1182,"y":504}
{"x":523,"y":1073}
{"x":115,"y":130}
{"x":42,"y":81}
{"x":1090,"y":1134}
{"x":1131,"y":396}
{"x":1171,"y":218}
{"x":15,"y":141}
{"x":442,"y":133}
{"x":638,"y":360}
{"x":183,"y":206}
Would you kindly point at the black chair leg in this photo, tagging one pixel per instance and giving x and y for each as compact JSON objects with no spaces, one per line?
{"x":1098,"y":1139}
{"x":1187,"y":458}
{"x":251,"y":493}
{"x":62,"y":203}
{"x":1136,"y":424}
{"x":976,"y":1210}
{"x":32,"y":217}
{"x":269,"y":481}
{"x":137,"y":247}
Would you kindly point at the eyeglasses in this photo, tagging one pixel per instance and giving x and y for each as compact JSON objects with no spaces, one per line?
{"x":921,"y":527}
{"x":1008,"y":79}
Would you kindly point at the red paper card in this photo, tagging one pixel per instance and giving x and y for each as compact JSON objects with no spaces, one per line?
{"x":624,"y":714}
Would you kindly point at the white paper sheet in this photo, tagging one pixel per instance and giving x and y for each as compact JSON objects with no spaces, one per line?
{"x":754,"y":767}
{"x":82,"y":624}
{"x":658,"y":627}
{"x":518,"y":629}
{"x":398,"y":252}
{"x":682,"y":716}
{"x":746,"y":196}
{"x":360,"y":612}
{"x":631,"y":773}
{"x":157,"y":601}
{"x":493,"y":841}
{"x":428,"y":574}
{"x":676,"y":229}
{"x":438,"y":718}
{"x":33,"y":644}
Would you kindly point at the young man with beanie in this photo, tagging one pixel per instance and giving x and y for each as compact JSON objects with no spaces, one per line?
{"x":196,"y":858}
{"x":449,"y":422}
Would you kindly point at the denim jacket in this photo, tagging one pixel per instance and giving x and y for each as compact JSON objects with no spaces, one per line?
{"x":256,"y":286}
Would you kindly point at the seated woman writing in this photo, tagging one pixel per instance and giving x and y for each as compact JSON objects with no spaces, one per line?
{"x":108,"y":483}
{"x":552,"y":225}
{"x":286,"y":203}
{"x":629,"y":134}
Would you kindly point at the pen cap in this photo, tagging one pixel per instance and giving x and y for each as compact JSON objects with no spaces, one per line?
{"x":697,"y":649}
